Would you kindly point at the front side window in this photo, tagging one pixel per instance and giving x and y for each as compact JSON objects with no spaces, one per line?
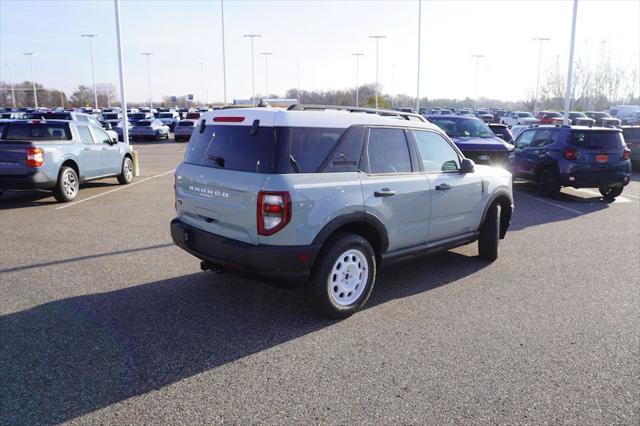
{"x":101,"y":136}
{"x":436,"y":152}
{"x":525,"y":139}
{"x":544,"y":137}
{"x":388,"y":151}
{"x":85,"y":135}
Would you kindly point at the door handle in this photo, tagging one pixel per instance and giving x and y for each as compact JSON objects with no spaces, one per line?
{"x":104,"y":148}
{"x":86,"y":148}
{"x":384,"y":192}
{"x":443,"y":187}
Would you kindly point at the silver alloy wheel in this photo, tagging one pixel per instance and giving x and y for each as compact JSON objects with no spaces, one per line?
{"x":127,"y":168}
{"x":69,"y":183}
{"x":348,"y":278}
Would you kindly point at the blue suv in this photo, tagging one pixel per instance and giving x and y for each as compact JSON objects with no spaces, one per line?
{"x":575,"y":156}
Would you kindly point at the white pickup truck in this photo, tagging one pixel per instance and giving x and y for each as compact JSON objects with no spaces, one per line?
{"x":519,"y":117}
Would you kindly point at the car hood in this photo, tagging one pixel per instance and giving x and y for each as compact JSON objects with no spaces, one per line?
{"x":485,"y":144}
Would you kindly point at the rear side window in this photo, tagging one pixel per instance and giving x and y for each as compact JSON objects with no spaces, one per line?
{"x":388,"y":151}
{"x":85,"y":135}
{"x":591,"y":139}
{"x":305,"y":148}
{"x":42,"y":131}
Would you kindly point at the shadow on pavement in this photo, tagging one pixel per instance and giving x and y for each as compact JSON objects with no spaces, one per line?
{"x":69,"y":357}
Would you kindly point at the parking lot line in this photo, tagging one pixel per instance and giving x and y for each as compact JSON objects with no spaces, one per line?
{"x":549,"y":202}
{"x":114,"y":190}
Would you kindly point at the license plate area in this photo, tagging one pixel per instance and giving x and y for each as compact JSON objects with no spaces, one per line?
{"x":602,"y":158}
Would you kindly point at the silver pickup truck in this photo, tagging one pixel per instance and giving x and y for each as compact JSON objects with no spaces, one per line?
{"x":60,"y":155}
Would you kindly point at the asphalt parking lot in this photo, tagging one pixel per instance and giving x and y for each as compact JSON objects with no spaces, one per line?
{"x":103,"y":320}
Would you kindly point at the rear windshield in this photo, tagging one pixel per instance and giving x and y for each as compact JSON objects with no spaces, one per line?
{"x":186,"y":123}
{"x":111,"y":116}
{"x":602,"y":140}
{"x":58,"y":116}
{"x":270,"y":150}
{"x":143,"y":123}
{"x":137,"y":116}
{"x":165,"y":115}
{"x":193,"y":115}
{"x":41,"y":131}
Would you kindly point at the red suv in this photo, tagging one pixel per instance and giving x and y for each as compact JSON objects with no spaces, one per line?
{"x":547,"y":117}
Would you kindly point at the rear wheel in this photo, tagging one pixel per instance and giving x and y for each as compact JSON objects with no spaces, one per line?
{"x":548,"y":183}
{"x":344,"y":275}
{"x":610,"y":192}
{"x":126,"y":176}
{"x":490,"y":234}
{"x":68,"y":185}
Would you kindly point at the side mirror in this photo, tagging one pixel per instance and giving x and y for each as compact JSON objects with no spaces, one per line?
{"x":107,"y":126}
{"x":467,"y":166}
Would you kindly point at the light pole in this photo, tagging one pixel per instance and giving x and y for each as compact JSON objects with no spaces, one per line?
{"x":13,"y":92}
{"x":148,"y":55}
{"x":266,"y":68}
{"x":540,"y":40}
{"x":33,"y":80}
{"x":62,"y":99}
{"x":106,"y":79}
{"x":253,"y":78}
{"x":123,"y":98}
{"x":377,"y":37}
{"x":201,"y":83}
{"x":357,"y":55}
{"x":477,"y":58}
{"x":393,"y":84}
{"x":418,"y":76}
{"x":298,"y":75}
{"x":93,"y":74}
{"x":224,"y":56}
{"x":567,"y":96}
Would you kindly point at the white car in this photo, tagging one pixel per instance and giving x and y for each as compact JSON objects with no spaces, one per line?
{"x":519,"y":117}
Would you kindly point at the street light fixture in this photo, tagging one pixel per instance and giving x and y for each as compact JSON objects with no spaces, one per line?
{"x":477,"y":58}
{"x":357,"y":55}
{"x":377,"y":37}
{"x":93,"y":74}
{"x":253,"y":79}
{"x":33,"y":80}
{"x":540,"y":40}
{"x":148,"y":55}
{"x":266,"y":64}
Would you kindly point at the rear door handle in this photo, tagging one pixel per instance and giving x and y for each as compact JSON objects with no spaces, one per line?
{"x":443,"y":187}
{"x":86,"y":148}
{"x":104,"y":148}
{"x":384,"y":192}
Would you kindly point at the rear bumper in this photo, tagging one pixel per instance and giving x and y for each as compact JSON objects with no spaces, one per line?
{"x":593,"y":179}
{"x":36,"y":180}
{"x":288,"y":265}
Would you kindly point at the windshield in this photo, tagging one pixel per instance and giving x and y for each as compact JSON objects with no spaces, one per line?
{"x":165,"y":115}
{"x":461,"y":128}
{"x":137,"y":116}
{"x":577,"y":115}
{"x":40,"y":131}
{"x":524,"y":114}
{"x":143,"y":123}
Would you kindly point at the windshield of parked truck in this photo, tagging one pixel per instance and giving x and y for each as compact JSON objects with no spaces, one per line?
{"x":525,"y":115}
{"x":463,"y":127}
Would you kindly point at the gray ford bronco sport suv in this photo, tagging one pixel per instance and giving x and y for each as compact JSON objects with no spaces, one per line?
{"x":326,"y":197}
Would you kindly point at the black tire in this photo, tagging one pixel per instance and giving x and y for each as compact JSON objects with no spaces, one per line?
{"x":126,"y":175}
{"x":610,"y":192}
{"x":324,"y":296}
{"x":490,"y":234}
{"x":67,"y":186}
{"x":548,"y":183}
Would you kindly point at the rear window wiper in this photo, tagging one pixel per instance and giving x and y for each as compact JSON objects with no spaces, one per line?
{"x":218,"y":160}
{"x":294,"y":164}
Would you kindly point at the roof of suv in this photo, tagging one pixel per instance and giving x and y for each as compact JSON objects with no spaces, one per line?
{"x":310,"y":118}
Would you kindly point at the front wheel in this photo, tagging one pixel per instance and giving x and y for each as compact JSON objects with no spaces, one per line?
{"x":126,"y":176}
{"x":610,"y":192}
{"x":548,"y":183}
{"x":490,"y":234}
{"x":68,"y":185}
{"x":344,"y":275}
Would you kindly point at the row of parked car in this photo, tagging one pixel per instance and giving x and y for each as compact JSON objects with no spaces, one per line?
{"x":255,"y":201}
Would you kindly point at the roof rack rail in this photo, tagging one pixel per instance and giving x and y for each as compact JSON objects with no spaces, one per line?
{"x":383,"y":112}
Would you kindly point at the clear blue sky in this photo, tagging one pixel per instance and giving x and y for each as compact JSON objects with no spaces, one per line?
{"x":320,"y":35}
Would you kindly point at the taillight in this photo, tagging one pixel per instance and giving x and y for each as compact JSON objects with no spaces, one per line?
{"x":274,"y":211}
{"x":35,"y":157}
{"x":626,"y":154}
{"x":570,"y":154}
